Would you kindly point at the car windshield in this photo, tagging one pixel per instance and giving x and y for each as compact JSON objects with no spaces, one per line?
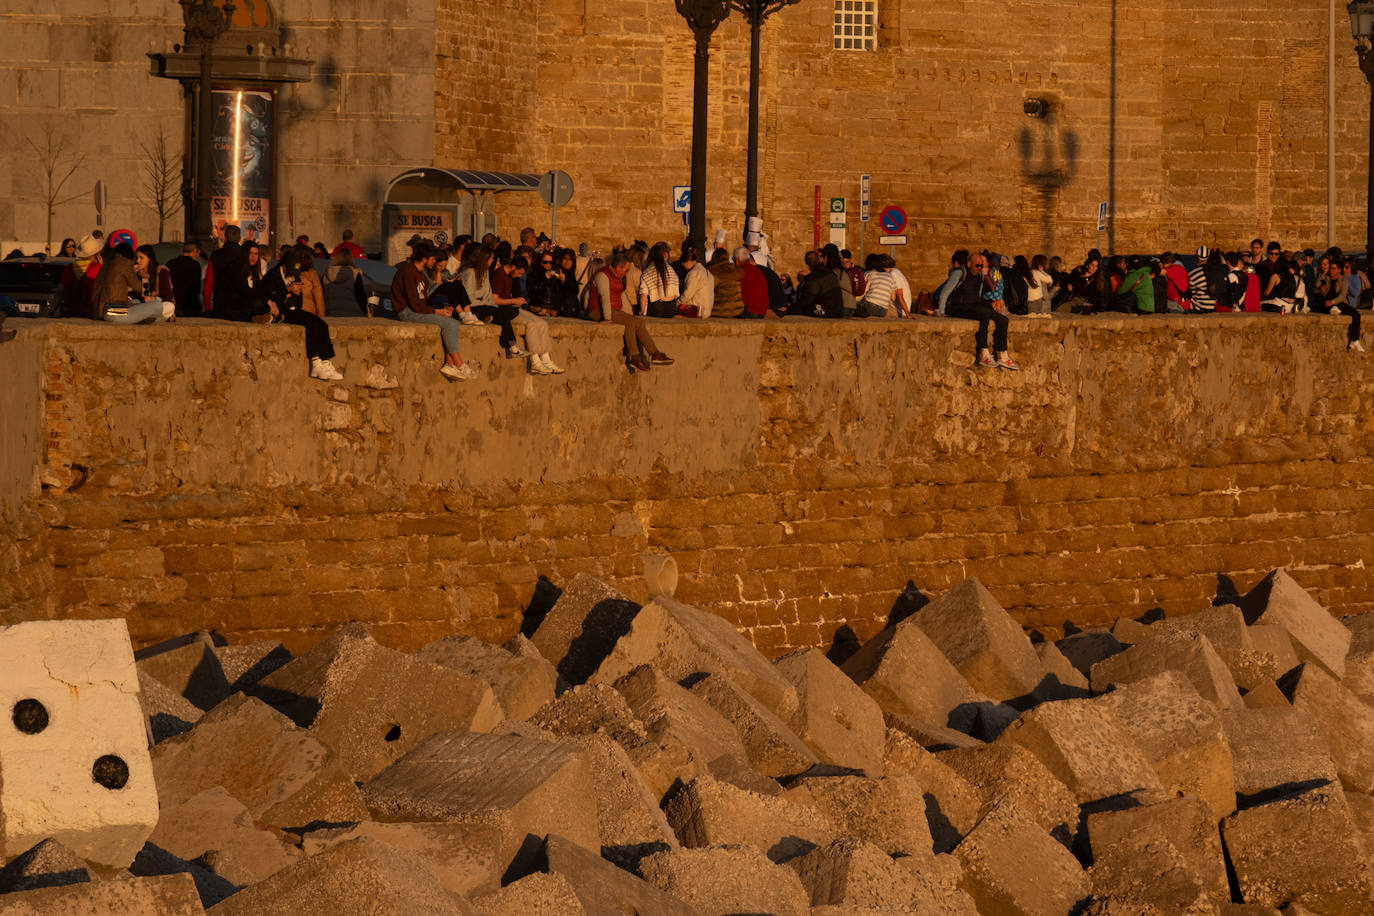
{"x":30,"y":275}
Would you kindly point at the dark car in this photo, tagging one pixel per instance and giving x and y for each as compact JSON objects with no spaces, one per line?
{"x":32,"y":286}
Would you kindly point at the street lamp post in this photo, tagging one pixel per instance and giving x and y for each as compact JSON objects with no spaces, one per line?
{"x":204,"y":24}
{"x":1362,"y":28}
{"x":703,"y":16}
{"x":755,"y":11}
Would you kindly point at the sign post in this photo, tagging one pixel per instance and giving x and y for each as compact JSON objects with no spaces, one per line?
{"x":838,"y":221}
{"x":893,"y":221}
{"x":816,"y":221}
{"x":555,"y":189}
{"x":864,"y":186}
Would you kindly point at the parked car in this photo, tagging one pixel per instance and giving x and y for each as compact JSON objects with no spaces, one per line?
{"x":33,"y":285}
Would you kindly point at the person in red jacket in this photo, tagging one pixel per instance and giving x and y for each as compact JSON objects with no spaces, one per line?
{"x":753,"y":286}
{"x":410,"y":300}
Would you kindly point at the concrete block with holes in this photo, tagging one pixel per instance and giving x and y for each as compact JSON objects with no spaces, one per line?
{"x":74,"y":762}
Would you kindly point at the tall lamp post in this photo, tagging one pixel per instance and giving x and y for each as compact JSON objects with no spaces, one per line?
{"x":755,"y":11}
{"x":1362,"y":27}
{"x":703,"y":16}
{"x":204,"y":24}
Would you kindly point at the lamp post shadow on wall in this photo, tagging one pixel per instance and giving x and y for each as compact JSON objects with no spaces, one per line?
{"x":1049,"y":159}
{"x":204,"y":23}
{"x":703,"y":16}
{"x":1362,"y":28}
{"x":756,"y":12}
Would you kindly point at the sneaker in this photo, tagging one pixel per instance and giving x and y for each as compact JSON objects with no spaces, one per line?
{"x":514,"y":351}
{"x":638,"y":362}
{"x":1356,"y":346}
{"x":549,"y":364}
{"x":985,"y":360}
{"x":324,"y":370}
{"x":469,"y":318}
{"x":661,"y":359}
{"x":1004,"y":361}
{"x":1335,"y":311}
{"x":467,"y":371}
{"x":458,"y":373}
{"x":537,"y":367}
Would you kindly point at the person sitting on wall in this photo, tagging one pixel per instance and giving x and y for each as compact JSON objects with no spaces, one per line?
{"x":156,"y":280}
{"x":188,"y":273}
{"x":818,"y":293}
{"x":119,"y":291}
{"x":349,"y":245}
{"x":728,"y":300}
{"x":285,"y":292}
{"x":697,"y":285}
{"x":753,"y":286}
{"x":410,"y":301}
{"x":233,"y":298}
{"x":958,"y":269}
{"x":312,"y":288}
{"x":492,"y":300}
{"x":658,"y":294}
{"x":968,"y":301}
{"x":606,"y":302}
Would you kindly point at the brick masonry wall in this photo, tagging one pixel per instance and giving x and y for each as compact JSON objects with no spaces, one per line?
{"x":800,"y":473}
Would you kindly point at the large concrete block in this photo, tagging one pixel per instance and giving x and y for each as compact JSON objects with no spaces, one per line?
{"x":1190,"y":654}
{"x":1301,"y":848}
{"x":930,"y":736}
{"x":907,"y":674}
{"x":360,"y":875}
{"x":167,"y":712}
{"x":217,"y":829}
{"x":1062,"y":680}
{"x":1344,"y":720}
{"x":465,"y":858}
{"x":520,"y":785}
{"x":74,"y":762}
{"x":1180,"y":734}
{"x":189,"y":666}
{"x":681,"y":641}
{"x":855,"y":873}
{"x":627,"y":811}
{"x":1359,"y":661}
{"x":522,"y":683}
{"x":1084,"y":745}
{"x":710,"y":812}
{"x":1011,"y":865}
{"x":284,"y":776}
{"x":1187,"y":823}
{"x":1088,"y":647}
{"x":1317,"y":635}
{"x":538,"y":894}
{"x":889,"y":811}
{"x":952,"y":803}
{"x":836,"y":719}
{"x":247,"y":663}
{"x":1143,"y":872}
{"x":1225,"y":629}
{"x":1274,"y":747}
{"x":583,"y":627}
{"x":1007,"y":774}
{"x":49,"y":864}
{"x":982,"y":641}
{"x":771,"y":747}
{"x":600,"y":887}
{"x":171,"y":895}
{"x":665,"y":706}
{"x":373,"y":704}
{"x":727,"y":879}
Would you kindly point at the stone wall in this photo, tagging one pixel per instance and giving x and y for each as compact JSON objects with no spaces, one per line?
{"x":800,"y":472}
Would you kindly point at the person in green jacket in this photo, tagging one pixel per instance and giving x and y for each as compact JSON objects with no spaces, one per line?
{"x":1137,"y":290}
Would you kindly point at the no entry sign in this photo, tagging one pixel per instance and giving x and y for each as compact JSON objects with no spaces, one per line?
{"x":893,"y":220}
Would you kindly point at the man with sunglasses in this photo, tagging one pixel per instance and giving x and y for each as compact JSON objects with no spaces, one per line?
{"x":966,"y":301}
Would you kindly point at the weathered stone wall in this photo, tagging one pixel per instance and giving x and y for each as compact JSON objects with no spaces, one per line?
{"x":800,"y":472}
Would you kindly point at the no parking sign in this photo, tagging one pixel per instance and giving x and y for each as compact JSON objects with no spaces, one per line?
{"x":893,"y":220}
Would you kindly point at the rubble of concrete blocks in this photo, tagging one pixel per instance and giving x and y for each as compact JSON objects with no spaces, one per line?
{"x":644,"y":758}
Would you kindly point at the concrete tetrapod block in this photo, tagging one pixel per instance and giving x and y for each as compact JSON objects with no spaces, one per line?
{"x":771,"y":747}
{"x":627,"y":812}
{"x":982,"y":641}
{"x":663,"y":705}
{"x":601,"y":888}
{"x":1225,"y":629}
{"x":524,"y":787}
{"x":727,"y":879}
{"x":1316,"y":635}
{"x":167,"y":712}
{"x":1273,"y":748}
{"x":583,"y":627}
{"x":282,"y":774}
{"x":465,"y":858}
{"x":240,"y":849}
{"x":1008,"y":775}
{"x":1143,"y":872}
{"x":539,"y":894}
{"x":189,"y":666}
{"x":836,"y":719}
{"x":1301,"y":848}
{"x":952,"y":803}
{"x":1189,"y":826}
{"x":1012,"y":866}
{"x":373,"y":704}
{"x":709,"y":812}
{"x":361,"y":875}
{"x":74,"y":762}
{"x":170,"y":895}
{"x":1180,"y":734}
{"x":681,"y":641}
{"x":889,"y":812}
{"x":1187,"y":653}
{"x":852,"y":872}
{"x":587,"y":709}
{"x":1085,"y":746}
{"x":907,"y":674}
{"x":522,"y":683}
{"x":1344,"y":720}
{"x":49,"y":864}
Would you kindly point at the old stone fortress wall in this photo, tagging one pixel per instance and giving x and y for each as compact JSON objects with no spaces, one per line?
{"x":800,"y":473}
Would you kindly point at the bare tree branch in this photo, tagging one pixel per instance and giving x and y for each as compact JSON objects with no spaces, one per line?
{"x":57,"y":164}
{"x":161,"y":172}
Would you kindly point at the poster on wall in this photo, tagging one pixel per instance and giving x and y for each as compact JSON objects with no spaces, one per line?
{"x":404,"y":223}
{"x":241,"y":186}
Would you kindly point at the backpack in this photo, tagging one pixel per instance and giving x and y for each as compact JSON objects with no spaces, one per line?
{"x":925,"y":304}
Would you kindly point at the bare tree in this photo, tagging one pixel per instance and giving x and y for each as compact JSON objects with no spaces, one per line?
{"x":57,"y":163}
{"x":161,"y":179}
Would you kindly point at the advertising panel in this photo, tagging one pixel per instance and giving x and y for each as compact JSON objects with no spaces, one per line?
{"x":241,"y":184}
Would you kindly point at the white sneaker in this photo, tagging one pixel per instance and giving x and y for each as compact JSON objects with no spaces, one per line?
{"x":514,"y":350}
{"x":550,"y":365}
{"x":537,"y":367}
{"x":1356,"y":346}
{"x":1335,"y":311}
{"x":325,"y":370}
{"x":467,"y":370}
{"x":986,"y":360}
{"x":469,"y":318}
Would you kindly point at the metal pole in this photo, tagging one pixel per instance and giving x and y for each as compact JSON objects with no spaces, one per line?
{"x":1331,"y":125}
{"x":701,"y":72}
{"x":751,"y":205}
{"x":204,"y":218}
{"x":1369,"y":184}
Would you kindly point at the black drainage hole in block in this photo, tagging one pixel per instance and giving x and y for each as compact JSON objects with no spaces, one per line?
{"x":393,"y":733}
{"x":111,"y":772}
{"x":30,"y":716}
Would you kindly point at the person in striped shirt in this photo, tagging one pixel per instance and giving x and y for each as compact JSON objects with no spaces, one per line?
{"x":878,"y":288}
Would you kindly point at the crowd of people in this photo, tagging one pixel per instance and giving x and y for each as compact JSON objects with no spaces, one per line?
{"x":519,"y":288}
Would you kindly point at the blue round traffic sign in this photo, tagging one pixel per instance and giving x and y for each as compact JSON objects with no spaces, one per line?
{"x":893,"y":220}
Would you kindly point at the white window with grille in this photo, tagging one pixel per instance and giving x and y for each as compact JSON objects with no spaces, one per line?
{"x":856,"y":25}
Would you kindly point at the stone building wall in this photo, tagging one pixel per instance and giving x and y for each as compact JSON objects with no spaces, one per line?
{"x":801,"y":473}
